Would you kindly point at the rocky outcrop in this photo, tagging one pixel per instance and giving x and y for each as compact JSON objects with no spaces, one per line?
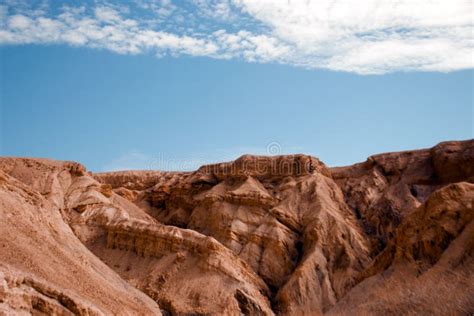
{"x":272,"y":213}
{"x":453,"y":161}
{"x":427,"y":268}
{"x":264,"y":167}
{"x":172,"y":264}
{"x":24,"y":293}
{"x":43,"y":266}
{"x":383,"y":190}
{"x":134,"y":180}
{"x":429,"y":230}
{"x":256,"y":236}
{"x":124,"y":236}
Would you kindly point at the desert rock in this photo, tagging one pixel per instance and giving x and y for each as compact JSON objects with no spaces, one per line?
{"x":256,"y":236}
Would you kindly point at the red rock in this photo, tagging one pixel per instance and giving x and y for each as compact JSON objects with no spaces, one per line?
{"x":258,"y":236}
{"x":383,"y":190}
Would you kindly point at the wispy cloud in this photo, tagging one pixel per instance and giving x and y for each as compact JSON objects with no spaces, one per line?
{"x":368,"y":36}
{"x":133,"y":160}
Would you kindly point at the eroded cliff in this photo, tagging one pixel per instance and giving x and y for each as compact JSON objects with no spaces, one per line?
{"x":256,"y":236}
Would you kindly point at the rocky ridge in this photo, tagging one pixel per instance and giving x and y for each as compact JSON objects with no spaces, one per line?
{"x":256,"y":236}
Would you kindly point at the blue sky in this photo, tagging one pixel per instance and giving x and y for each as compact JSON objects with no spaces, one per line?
{"x":212,"y":87}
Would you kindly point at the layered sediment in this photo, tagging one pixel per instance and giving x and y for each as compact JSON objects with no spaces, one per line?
{"x":256,"y":236}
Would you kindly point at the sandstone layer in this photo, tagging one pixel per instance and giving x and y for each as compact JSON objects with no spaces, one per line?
{"x":257,"y":236}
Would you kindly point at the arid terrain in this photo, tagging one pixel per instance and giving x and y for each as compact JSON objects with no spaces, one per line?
{"x":284,"y":235}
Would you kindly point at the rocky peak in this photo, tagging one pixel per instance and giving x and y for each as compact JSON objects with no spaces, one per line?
{"x":266,"y":166}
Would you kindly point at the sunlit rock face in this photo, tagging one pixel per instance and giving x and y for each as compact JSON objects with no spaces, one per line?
{"x":256,"y":236}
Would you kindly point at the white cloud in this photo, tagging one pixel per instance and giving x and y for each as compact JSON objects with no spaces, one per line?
{"x":371,"y":36}
{"x":216,"y":9}
{"x":19,"y":22}
{"x":361,"y":36}
{"x":163,"y":8}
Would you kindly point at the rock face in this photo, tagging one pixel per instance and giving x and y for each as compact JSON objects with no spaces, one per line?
{"x":386,"y":188}
{"x":276,"y":216}
{"x":44,"y":268}
{"x":427,"y":268}
{"x":257,"y":236}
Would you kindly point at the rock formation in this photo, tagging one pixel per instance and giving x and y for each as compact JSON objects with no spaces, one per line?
{"x":44,"y":268}
{"x":383,"y":190}
{"x":427,"y":268}
{"x":257,"y":236}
